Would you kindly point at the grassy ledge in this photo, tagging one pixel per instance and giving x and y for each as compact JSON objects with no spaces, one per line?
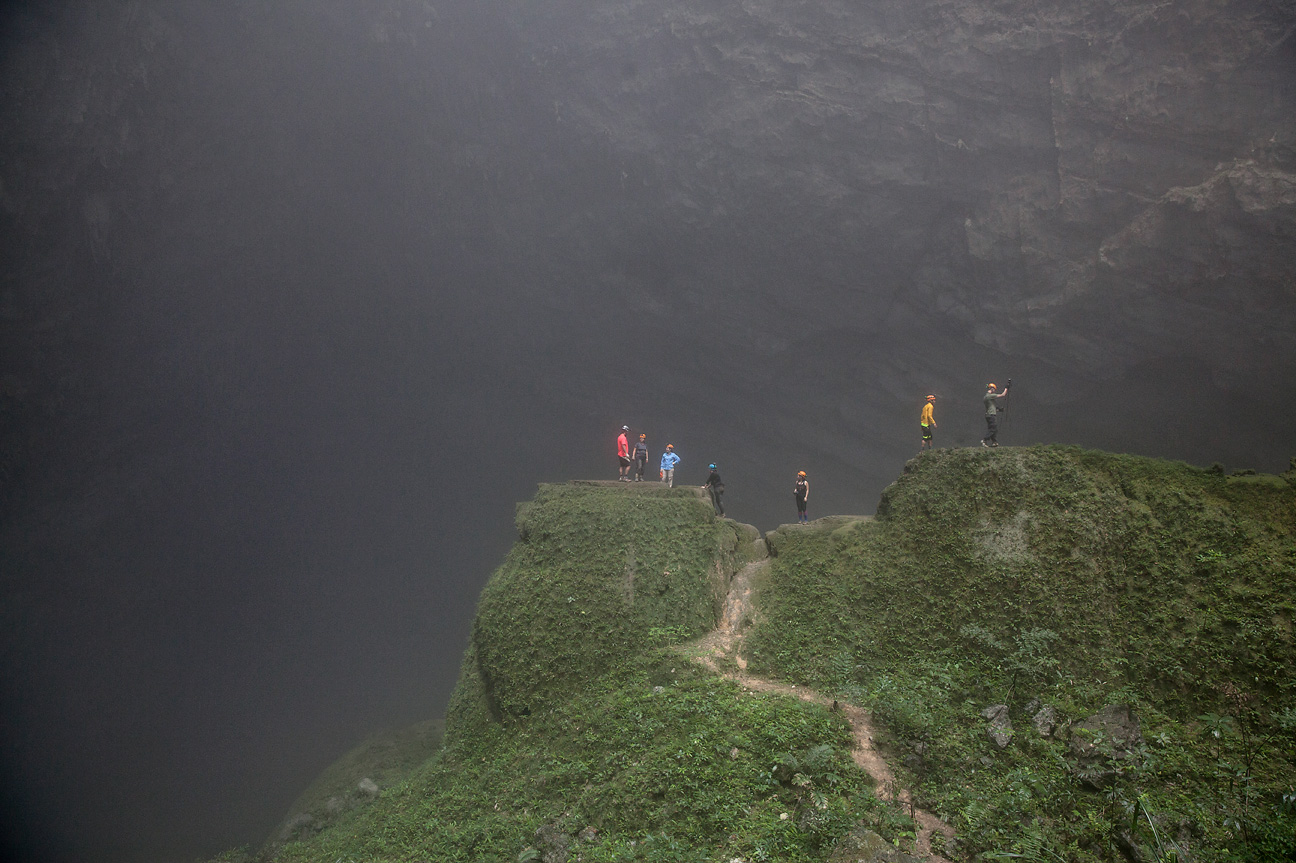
{"x":1060,"y":578}
{"x":1001,"y":607}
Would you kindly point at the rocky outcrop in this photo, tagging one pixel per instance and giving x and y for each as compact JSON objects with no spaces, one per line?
{"x":862,"y":845}
{"x":1103,"y":744}
{"x":1045,"y":721}
{"x":1003,"y":167}
{"x":998,"y":726}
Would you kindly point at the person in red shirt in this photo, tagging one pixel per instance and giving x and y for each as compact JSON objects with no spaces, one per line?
{"x":623,"y":453}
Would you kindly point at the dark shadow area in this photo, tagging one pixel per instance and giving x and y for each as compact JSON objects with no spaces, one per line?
{"x":298,"y":300}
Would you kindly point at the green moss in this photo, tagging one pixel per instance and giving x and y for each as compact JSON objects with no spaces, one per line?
{"x":664,"y":762}
{"x":1075,"y":577}
{"x":599,"y":574}
{"x":1055,"y":575}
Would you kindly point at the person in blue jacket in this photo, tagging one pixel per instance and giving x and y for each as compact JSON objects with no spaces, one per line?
{"x":668,"y":462}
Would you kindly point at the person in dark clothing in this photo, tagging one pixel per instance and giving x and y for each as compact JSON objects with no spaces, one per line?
{"x":801,"y":491}
{"x":992,"y":414}
{"x":641,"y":457}
{"x":716,"y":487}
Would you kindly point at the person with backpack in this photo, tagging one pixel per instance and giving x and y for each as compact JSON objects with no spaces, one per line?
{"x":801,"y":491}
{"x":640,"y":457}
{"x":716,"y":487}
{"x":668,"y":462}
{"x":623,"y":454}
{"x":928,"y":423}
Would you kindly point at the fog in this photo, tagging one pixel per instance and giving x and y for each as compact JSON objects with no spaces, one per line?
{"x":299,"y":298}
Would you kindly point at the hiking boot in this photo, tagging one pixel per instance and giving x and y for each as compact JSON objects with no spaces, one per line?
{"x":984,"y":444}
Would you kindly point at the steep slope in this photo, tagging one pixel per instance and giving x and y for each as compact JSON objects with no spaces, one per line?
{"x":600,"y":572}
{"x":1075,"y":182}
{"x":575,"y":725}
{"x":1067,"y":655}
{"x":1055,"y":582}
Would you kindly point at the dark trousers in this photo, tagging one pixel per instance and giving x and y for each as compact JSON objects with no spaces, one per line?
{"x":715,"y":500}
{"x":992,"y":429}
{"x":640,"y":463}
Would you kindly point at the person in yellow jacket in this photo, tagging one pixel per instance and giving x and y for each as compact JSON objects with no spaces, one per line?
{"x":928,"y":423}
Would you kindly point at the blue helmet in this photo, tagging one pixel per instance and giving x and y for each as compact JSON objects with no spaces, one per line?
{"x":712,"y":467}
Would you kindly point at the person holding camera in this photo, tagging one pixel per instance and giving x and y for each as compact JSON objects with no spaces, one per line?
{"x":992,"y":414}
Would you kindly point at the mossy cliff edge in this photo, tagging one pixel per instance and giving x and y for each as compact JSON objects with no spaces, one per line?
{"x":599,"y":573}
{"x":1070,"y":655}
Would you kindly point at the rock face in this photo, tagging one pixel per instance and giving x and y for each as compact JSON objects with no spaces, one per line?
{"x":1007,"y":165}
{"x":864,"y":846}
{"x":1045,"y":721}
{"x":1084,"y":186}
{"x":554,"y":845}
{"x":998,"y":725}
{"x":1103,"y":743}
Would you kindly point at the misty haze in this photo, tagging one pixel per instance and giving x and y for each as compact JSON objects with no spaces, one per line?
{"x":298,"y":300}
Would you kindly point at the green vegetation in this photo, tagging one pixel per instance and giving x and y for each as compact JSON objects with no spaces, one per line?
{"x":1071,"y":579}
{"x":381,"y":761}
{"x":664,"y":762}
{"x":599,"y":574}
{"x":572,"y":714}
{"x":1079,"y":589}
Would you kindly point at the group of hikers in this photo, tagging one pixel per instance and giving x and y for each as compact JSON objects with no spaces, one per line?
{"x":635,"y":460}
{"x":992,"y":410}
{"x":633,"y":463}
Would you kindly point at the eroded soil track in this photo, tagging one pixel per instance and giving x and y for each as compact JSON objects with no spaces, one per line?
{"x":720,"y":651}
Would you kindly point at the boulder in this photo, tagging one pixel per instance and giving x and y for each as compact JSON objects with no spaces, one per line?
{"x":862,"y":845}
{"x":1130,"y":847}
{"x":745,"y":533}
{"x":1045,"y":721}
{"x":299,"y":826}
{"x":368,"y":787}
{"x":999,"y":727}
{"x":554,"y":844}
{"x":1103,"y":744}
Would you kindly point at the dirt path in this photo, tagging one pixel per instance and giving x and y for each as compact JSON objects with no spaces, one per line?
{"x":724,"y":642}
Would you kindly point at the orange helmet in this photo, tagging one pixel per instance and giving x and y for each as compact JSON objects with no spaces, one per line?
{"x":990,"y":386}
{"x":800,"y":473}
{"x":931,"y":398}
{"x":670,"y":446}
{"x":642,"y":436}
